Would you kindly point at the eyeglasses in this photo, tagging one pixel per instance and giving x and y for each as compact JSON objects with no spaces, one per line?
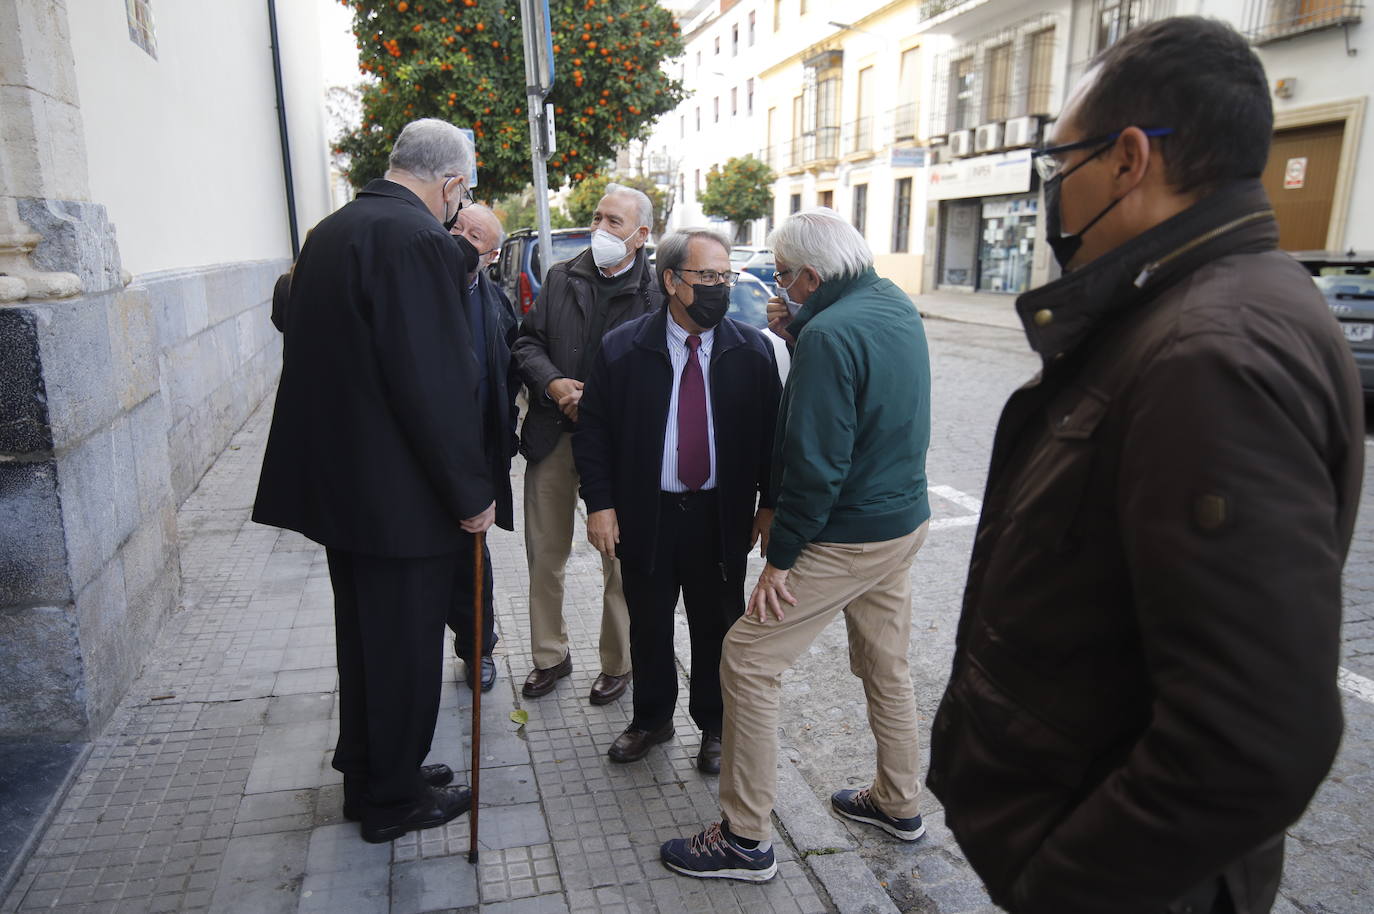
{"x":711,"y":277}
{"x":1049,"y":162}
{"x":777,"y":276}
{"x":468,"y":199}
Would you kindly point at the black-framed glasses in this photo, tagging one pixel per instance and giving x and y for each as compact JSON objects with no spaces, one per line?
{"x":711,"y":277}
{"x":1049,"y":162}
{"x":778,"y":275}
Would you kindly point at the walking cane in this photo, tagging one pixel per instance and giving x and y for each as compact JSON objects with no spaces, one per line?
{"x":478,"y":544}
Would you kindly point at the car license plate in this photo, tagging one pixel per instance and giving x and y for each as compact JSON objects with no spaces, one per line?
{"x":1358,"y":333}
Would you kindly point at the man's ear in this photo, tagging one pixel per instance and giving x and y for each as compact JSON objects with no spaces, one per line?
{"x":643,"y":233}
{"x":1131,"y":159}
{"x":669,"y":283}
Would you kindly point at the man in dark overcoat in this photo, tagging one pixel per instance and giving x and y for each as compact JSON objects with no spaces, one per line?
{"x":376,"y":453}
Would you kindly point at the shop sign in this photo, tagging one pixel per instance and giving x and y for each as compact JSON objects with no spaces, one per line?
{"x":908,"y":157}
{"x":1000,"y":173}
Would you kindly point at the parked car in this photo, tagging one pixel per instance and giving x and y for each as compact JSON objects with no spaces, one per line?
{"x":757,"y":262}
{"x":749,"y":305}
{"x":1347,"y":281}
{"x":519,"y":269}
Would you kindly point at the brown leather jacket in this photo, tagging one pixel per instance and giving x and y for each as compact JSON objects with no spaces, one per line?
{"x":1143,"y":694}
{"x":553,"y":335}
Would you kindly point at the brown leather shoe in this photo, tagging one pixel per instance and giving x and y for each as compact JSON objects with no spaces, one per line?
{"x":608,"y":688}
{"x":633,"y":745}
{"x":541,"y":682}
{"x":708,"y":756}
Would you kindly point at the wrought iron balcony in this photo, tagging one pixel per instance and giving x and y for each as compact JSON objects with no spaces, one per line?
{"x":858,"y":136}
{"x":1275,"y":20}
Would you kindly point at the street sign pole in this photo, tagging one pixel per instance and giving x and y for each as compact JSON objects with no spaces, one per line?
{"x":534,"y":17}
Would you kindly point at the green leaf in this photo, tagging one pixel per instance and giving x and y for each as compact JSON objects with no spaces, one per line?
{"x":520,"y":716}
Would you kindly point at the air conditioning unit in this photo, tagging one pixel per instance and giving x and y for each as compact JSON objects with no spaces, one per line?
{"x":960,"y":143}
{"x":987,"y":137}
{"x":1021,"y":131}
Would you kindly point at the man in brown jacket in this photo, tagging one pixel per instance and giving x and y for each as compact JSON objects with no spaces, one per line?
{"x":1143,"y":694}
{"x":581,"y":300}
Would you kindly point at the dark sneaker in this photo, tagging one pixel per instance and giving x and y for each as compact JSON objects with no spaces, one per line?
{"x":713,"y":855}
{"x":858,"y":805}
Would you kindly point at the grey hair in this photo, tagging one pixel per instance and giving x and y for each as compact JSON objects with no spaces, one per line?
{"x":430,"y":148}
{"x":646,"y":206}
{"x":500,"y":229}
{"x":823,"y":240}
{"x":672,"y":249}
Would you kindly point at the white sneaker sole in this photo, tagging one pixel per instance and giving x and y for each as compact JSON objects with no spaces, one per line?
{"x":892,"y":830}
{"x":741,"y":875}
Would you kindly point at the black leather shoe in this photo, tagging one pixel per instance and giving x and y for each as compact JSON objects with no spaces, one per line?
{"x":488,"y":674}
{"x":438,"y":775}
{"x":708,"y":756}
{"x":444,"y":804}
{"x":541,"y":682}
{"x":608,"y":688}
{"x":633,"y":745}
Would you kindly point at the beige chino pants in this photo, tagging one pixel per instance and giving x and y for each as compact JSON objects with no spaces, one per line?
{"x":550,"y":503}
{"x":870,"y":583}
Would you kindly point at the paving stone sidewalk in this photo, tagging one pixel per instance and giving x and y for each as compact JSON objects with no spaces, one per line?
{"x":211,"y":788}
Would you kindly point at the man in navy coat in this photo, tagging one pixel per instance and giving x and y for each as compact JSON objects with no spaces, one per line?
{"x":673,"y":448}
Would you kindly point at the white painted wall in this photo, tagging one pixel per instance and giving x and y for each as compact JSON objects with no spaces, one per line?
{"x":183,"y":150}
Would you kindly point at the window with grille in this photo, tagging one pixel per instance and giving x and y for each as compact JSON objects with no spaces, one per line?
{"x":1041,"y":71}
{"x":961,"y":82}
{"x":908,"y":94}
{"x":141,"y":31}
{"x":1271,"y":20}
{"x":997,"y":84}
{"x":751,"y":28}
{"x":901,"y":216}
{"x":749,"y":98}
{"x":734,"y":41}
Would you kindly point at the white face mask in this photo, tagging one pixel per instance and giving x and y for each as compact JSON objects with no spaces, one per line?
{"x":607,"y":249}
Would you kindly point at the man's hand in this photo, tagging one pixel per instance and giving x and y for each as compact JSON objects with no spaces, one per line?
{"x":567,"y":393}
{"x":763,"y":522}
{"x":779,"y":318}
{"x":480,"y":523}
{"x":603,"y":531}
{"x":769,"y":595}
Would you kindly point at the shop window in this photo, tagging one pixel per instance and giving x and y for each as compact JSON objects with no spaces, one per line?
{"x":141,"y":31}
{"x":901,"y":217}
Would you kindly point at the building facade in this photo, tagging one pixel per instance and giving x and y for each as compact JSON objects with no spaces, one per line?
{"x":143,"y":221}
{"x":916,"y":120}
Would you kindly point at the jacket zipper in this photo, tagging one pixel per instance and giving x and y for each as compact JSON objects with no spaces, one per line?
{"x":1152,"y":268}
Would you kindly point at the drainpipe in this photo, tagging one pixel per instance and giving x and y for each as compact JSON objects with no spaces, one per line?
{"x":281,"y":130}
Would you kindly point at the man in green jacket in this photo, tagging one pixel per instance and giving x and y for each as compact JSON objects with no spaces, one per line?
{"x":852,"y":511}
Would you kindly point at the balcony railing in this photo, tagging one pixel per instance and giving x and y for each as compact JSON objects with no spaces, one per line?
{"x":822,"y":144}
{"x":904,"y":121}
{"x":1275,"y":20}
{"x":859,"y":135}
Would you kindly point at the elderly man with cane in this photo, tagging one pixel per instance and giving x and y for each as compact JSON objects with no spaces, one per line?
{"x":373,"y":454}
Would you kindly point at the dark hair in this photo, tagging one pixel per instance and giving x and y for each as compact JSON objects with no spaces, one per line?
{"x":1198,"y":76}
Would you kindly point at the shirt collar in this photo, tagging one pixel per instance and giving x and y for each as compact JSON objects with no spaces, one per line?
{"x":677,"y":335}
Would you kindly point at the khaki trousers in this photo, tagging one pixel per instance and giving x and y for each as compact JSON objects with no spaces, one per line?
{"x":550,"y":503}
{"x":870,"y":584}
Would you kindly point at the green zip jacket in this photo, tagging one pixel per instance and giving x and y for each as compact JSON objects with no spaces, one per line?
{"x":849,"y":456}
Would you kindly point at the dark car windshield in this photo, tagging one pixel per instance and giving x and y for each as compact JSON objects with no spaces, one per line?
{"x":749,"y":303}
{"x":1345,"y":282}
{"x":565,"y":247}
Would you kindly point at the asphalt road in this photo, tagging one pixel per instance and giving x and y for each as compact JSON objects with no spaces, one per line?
{"x":824,"y":728}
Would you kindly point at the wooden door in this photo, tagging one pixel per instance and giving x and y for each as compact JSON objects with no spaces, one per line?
{"x":1301,"y":181}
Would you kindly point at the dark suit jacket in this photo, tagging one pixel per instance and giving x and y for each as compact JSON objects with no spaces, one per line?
{"x":504,"y":381}
{"x":623,"y":418}
{"x":377,"y":440}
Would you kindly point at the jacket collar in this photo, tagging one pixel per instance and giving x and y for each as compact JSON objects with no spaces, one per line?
{"x":829,"y":292}
{"x":585,"y":267}
{"x":381,"y":187}
{"x":653,"y":334}
{"x":1060,"y":316}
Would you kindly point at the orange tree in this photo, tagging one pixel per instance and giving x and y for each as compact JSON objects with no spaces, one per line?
{"x":740,"y":192}
{"x":463,"y":61}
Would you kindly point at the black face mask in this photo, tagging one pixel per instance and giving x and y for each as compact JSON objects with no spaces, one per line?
{"x":1066,"y":246}
{"x":709,"y":304}
{"x":468,"y":253}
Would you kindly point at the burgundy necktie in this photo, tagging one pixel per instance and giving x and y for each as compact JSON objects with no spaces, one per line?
{"x":693,"y":449}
